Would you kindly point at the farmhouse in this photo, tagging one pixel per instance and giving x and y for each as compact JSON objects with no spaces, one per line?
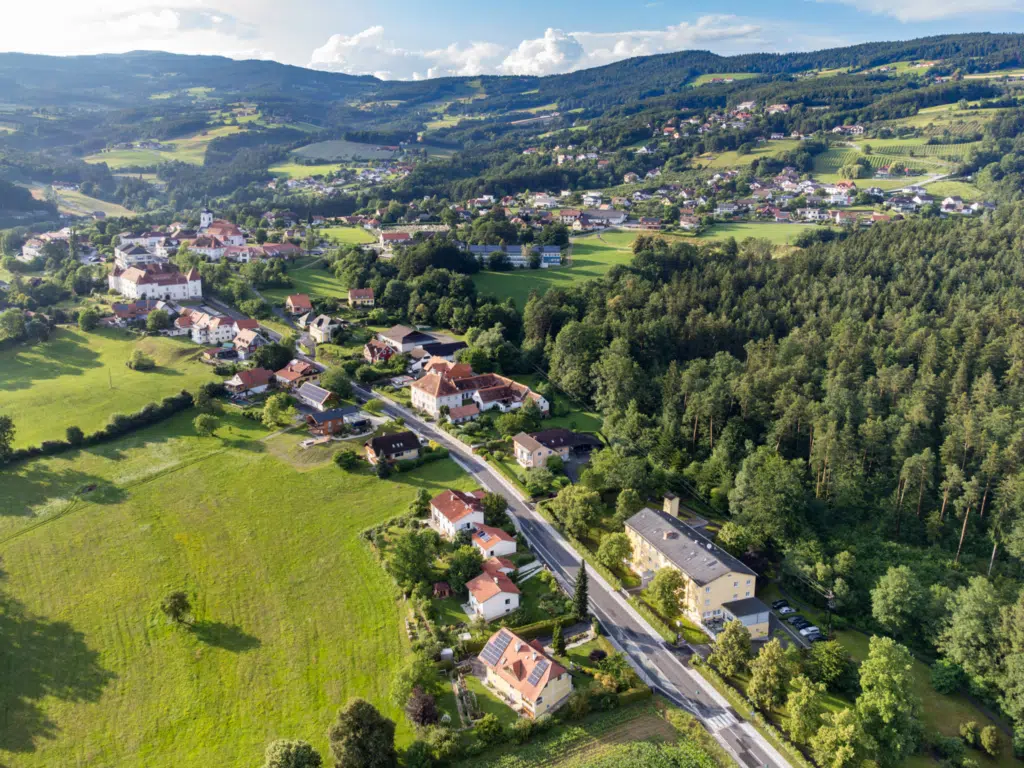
{"x":454,"y":511}
{"x":452,"y":388}
{"x":535,"y":449}
{"x":399,"y":446}
{"x":298,"y":304}
{"x":322,"y":328}
{"x":390,"y":239}
{"x":493,"y":593}
{"x":253,"y":381}
{"x":360,"y":297}
{"x":156,"y":281}
{"x":493,"y":542}
{"x":713,"y":577}
{"x":376,"y":351}
{"x":282,"y":250}
{"x":530,"y":681}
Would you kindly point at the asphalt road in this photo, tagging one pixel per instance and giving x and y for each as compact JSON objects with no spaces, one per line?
{"x":657,"y":664}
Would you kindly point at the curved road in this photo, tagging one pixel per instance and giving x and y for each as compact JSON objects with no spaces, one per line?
{"x":656,"y":663}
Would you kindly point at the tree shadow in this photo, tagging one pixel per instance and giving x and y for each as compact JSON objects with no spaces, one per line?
{"x":63,"y":355}
{"x":40,"y":659}
{"x":230,"y":637}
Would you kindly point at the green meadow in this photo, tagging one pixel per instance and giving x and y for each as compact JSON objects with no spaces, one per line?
{"x":80,"y":379}
{"x":292,"y":615}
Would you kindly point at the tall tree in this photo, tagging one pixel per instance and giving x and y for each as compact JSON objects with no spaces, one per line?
{"x":665,"y":591}
{"x":804,"y":706}
{"x":769,"y":672}
{"x":732,"y":649}
{"x":897,"y":599}
{"x":362,"y":737}
{"x":6,"y":438}
{"x":769,"y":498}
{"x":887,"y":706}
{"x":841,"y":741}
{"x":580,"y":597}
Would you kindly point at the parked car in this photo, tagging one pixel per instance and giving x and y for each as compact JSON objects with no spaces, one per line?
{"x":817,"y":638}
{"x":813,"y":636}
{"x":780,"y":604}
{"x":794,"y":620}
{"x":811,"y":630}
{"x":786,"y":610}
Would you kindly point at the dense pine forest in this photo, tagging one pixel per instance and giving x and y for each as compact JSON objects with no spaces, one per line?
{"x":853,"y":408}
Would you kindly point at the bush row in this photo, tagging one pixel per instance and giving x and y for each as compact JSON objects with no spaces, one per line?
{"x":120,"y":424}
{"x":659,"y":625}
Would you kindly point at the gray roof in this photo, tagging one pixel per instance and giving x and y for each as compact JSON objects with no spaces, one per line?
{"x":686,"y":547}
{"x":314,"y":393}
{"x":748,"y":606}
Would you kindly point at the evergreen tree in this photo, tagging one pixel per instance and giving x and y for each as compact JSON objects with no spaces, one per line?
{"x":580,"y":597}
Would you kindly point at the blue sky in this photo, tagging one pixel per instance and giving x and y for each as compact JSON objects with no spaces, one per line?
{"x":402,"y":39}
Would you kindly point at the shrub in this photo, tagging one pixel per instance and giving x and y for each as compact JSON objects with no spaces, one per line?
{"x":578,"y":705}
{"x":969,"y":733}
{"x":74,"y":436}
{"x":346,"y":460}
{"x":990,"y":741}
{"x":597,"y":655}
{"x":947,"y":677}
{"x":140,"y":361}
{"x":489,"y":730}
{"x":522,"y":731}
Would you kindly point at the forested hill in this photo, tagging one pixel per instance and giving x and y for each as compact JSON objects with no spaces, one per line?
{"x":130,"y":77}
{"x":876,"y":383}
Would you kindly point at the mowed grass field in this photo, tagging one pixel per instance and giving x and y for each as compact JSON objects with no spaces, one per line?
{"x":342,"y":149}
{"x":349,"y":235}
{"x":292,"y":614}
{"x":309,"y":277}
{"x":67,"y":381}
{"x":733,"y":159}
{"x":778,"y":234}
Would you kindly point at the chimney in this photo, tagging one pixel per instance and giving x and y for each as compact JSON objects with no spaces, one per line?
{"x":667,"y":535}
{"x":671,"y":504}
{"x":495,"y":579}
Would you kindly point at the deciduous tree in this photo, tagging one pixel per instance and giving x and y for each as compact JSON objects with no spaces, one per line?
{"x":363,"y":738}
{"x":732,"y":649}
{"x":769,"y":672}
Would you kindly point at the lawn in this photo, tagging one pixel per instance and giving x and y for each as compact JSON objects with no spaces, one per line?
{"x":80,"y":379}
{"x":592,"y":256}
{"x":736,"y":160}
{"x":293,"y":615}
{"x":312,"y":279}
{"x":964,"y":189}
{"x":348,"y":235}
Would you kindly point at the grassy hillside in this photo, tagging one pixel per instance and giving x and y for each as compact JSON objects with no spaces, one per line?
{"x":191,"y":149}
{"x":81,"y":378}
{"x":293,"y":616}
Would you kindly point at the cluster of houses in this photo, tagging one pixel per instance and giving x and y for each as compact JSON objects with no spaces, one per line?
{"x":36,"y":246}
{"x":215,"y":239}
{"x":344,"y":179}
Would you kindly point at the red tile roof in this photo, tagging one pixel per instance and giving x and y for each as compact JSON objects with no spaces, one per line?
{"x":455,"y":505}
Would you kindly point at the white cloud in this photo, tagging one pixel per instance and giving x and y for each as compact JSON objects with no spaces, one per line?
{"x":370,"y":53}
{"x":930,"y":10}
{"x":556,"y":52}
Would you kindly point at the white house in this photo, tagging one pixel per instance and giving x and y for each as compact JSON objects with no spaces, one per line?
{"x":493,"y":542}
{"x":455,"y":511}
{"x":156,"y":281}
{"x":492,"y":594}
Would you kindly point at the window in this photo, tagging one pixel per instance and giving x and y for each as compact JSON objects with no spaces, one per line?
{"x":734,"y":595}
{"x":735,"y":583}
{"x":707,"y":589}
{"x":508,"y":601}
{"x":707,"y":602}
{"x":747,"y":594}
{"x":540,"y":699}
{"x":748,"y":582}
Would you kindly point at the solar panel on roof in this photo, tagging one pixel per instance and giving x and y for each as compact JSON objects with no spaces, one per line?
{"x":538,"y":672}
{"x":484,"y":536}
{"x":495,"y":648}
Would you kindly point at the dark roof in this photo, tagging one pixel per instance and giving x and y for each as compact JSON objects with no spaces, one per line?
{"x":559,"y":438}
{"x":396,"y":443}
{"x":445,"y":349}
{"x":748,"y":606}
{"x":313,"y":392}
{"x":403,"y":334}
{"x":332,"y":415}
{"x":688,"y":549}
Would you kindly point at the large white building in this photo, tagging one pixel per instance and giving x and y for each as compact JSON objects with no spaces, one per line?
{"x":156,"y":281}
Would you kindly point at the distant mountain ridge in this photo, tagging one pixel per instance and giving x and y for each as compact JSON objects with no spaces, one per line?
{"x":117,"y":79}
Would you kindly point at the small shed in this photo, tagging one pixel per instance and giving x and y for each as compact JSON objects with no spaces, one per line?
{"x":752,"y":613}
{"x":442,"y":589}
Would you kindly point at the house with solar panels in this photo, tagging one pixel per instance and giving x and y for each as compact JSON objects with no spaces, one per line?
{"x":493,"y":542}
{"x":525,"y":677}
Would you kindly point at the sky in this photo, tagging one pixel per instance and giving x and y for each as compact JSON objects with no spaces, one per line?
{"x":413,"y":39}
